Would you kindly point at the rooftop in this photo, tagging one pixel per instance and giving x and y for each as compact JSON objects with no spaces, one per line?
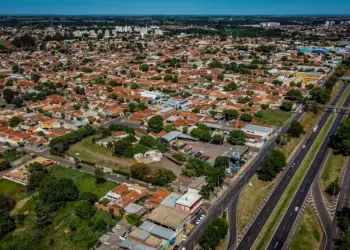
{"x":167,"y":216}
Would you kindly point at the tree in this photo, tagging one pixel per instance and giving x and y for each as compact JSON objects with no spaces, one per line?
{"x":320,"y":95}
{"x":7,"y":224}
{"x":121,"y":146}
{"x":215,"y":64}
{"x":341,"y":140}
{"x":7,"y":203}
{"x":80,"y":90}
{"x":201,"y":134}
{"x":333,"y":188}
{"x":84,"y":209}
{"x":164,"y":177}
{"x":15,"y":121}
{"x":271,"y":165}
{"x":9,"y":95}
{"x":213,"y":234}
{"x":195,"y":110}
{"x":35,"y":78}
{"x":37,"y":173}
{"x":246,"y":117}
{"x":217,"y":139}
{"x":91,"y":197}
{"x":155,"y":124}
{"x":230,"y":87}
{"x":54,"y":190}
{"x":294,"y":95}
{"x":18,"y":102}
{"x":144,"y":67}
{"x":230,"y":114}
{"x":100,"y":176}
{"x":295,"y":129}
{"x":222,"y":162}
{"x":237,"y":137}
{"x":286,"y":106}
{"x":169,"y":128}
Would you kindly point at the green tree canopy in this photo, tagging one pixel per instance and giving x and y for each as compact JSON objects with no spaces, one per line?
{"x":237,"y":137}
{"x":155,"y":124}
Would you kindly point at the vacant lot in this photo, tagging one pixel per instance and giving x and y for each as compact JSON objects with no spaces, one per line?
{"x":309,"y":232}
{"x":274,"y":117}
{"x":12,"y":189}
{"x":85,"y":182}
{"x":89,"y":151}
{"x":59,"y":235}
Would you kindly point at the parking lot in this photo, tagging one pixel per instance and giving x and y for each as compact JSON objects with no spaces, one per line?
{"x":208,"y":150}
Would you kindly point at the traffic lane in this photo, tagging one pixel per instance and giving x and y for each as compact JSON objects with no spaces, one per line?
{"x":343,"y":200}
{"x":255,"y":229}
{"x":285,"y":226}
{"x":261,"y":219}
{"x":322,"y":211}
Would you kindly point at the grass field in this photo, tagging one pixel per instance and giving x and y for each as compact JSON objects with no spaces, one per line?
{"x":274,"y":117}
{"x":12,"y":189}
{"x":309,"y":232}
{"x":89,"y":151}
{"x":249,"y":201}
{"x":59,"y":235}
{"x":85,"y":182}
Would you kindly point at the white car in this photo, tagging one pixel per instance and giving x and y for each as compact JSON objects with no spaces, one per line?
{"x":296,"y":209}
{"x":198,"y":221}
{"x":184,"y":237}
{"x":202,"y":216}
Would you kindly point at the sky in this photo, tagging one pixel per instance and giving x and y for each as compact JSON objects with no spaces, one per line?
{"x":173,"y":7}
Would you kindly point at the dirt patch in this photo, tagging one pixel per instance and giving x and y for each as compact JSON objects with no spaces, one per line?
{"x":20,"y":204}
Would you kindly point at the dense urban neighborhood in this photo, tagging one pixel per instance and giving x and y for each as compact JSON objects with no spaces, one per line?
{"x":183,"y":133}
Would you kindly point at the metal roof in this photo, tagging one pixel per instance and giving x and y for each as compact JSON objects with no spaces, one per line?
{"x":157,"y":230}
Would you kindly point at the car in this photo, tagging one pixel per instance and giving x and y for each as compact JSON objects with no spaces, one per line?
{"x":184,"y":237}
{"x":198,"y":221}
{"x":176,"y":247}
{"x":198,"y":154}
{"x":183,"y":248}
{"x":296,"y":209}
{"x":191,"y":153}
{"x":202,"y":216}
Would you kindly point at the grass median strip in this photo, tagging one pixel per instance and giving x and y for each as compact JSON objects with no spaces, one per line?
{"x":309,"y":232}
{"x":283,"y":204}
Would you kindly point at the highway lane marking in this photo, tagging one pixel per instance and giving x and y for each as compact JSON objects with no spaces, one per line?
{"x":275,"y":245}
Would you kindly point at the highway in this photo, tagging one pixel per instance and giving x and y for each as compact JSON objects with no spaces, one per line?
{"x":254,"y":230}
{"x":323,"y":214}
{"x":230,"y":197}
{"x":288,"y":220}
{"x":343,"y":201}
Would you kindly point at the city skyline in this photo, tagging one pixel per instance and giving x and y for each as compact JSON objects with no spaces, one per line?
{"x":180,"y":7}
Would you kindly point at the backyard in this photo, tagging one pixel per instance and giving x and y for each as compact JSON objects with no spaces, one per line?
{"x":63,"y":234}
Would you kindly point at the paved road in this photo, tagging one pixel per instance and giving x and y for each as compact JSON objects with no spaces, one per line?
{"x":288,"y":220}
{"x":322,"y":211}
{"x":230,"y":197}
{"x":343,"y":201}
{"x":254,"y":230}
